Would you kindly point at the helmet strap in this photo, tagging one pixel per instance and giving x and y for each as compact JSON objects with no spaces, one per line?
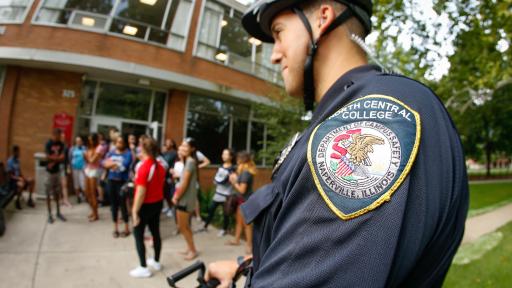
{"x":309,"y":82}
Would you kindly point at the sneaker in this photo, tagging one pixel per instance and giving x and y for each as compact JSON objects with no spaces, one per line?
{"x":61,"y":218}
{"x":18,"y":205}
{"x":165,"y":210}
{"x":153,"y":264}
{"x":221,"y":233}
{"x":200,"y":230}
{"x":30,"y":203}
{"x":50,"y":219}
{"x":140,"y":272}
{"x":169,"y":213}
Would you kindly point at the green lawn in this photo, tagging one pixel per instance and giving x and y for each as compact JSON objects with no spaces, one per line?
{"x":493,"y":269}
{"x":489,"y":194}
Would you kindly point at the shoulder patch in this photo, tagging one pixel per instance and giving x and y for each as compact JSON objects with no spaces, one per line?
{"x":362,"y":153}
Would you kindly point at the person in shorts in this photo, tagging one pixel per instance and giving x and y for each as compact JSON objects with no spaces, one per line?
{"x":185,"y":196}
{"x":55,"y":156}
{"x":93,"y":157}
{"x":77,"y":162}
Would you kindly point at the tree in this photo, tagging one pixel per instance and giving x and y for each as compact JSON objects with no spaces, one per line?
{"x":477,"y":90}
{"x":283,"y":121}
{"x":391,"y":18}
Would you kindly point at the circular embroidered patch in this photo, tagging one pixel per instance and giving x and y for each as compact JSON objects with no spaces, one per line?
{"x":362,"y":153}
{"x":359,"y":160}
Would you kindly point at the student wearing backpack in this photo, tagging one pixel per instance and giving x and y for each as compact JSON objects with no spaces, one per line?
{"x":223,"y":189}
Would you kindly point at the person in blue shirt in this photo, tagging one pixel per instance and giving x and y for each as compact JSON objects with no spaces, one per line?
{"x":17,"y":180}
{"x":118,"y":163}
{"x":77,"y":162}
{"x":374,"y":192}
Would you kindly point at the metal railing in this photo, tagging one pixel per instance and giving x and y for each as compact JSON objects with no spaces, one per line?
{"x":97,"y":22}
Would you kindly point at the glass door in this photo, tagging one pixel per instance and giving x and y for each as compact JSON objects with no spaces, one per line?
{"x":103,"y":125}
{"x":133,"y":128}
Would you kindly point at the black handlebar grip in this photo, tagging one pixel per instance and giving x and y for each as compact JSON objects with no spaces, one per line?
{"x":213,"y":283}
{"x":184,"y":273}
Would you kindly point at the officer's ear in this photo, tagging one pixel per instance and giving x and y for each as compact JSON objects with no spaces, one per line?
{"x":326,"y":15}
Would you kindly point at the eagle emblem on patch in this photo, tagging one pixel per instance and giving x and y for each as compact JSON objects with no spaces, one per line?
{"x":362,"y":153}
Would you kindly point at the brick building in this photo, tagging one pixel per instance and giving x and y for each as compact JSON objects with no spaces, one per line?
{"x":180,"y":67}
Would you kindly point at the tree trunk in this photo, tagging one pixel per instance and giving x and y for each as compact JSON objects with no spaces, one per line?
{"x":488,"y":153}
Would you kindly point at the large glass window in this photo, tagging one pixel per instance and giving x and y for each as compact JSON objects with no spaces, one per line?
{"x":223,"y":39}
{"x":211,"y":133}
{"x":133,"y":110}
{"x":123,"y":101}
{"x":164,"y":22}
{"x":14,"y":11}
{"x":87,"y":13}
{"x":217,"y":124}
{"x":87,"y":100}
{"x":159,"y":106}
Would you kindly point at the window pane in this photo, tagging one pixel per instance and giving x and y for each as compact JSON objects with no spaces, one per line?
{"x":209,"y":33}
{"x":94,"y":6}
{"x":198,"y":103}
{"x":211,"y":133}
{"x":135,"y":129}
{"x":87,"y":99}
{"x":123,"y":101}
{"x":223,"y":39}
{"x":136,"y":10}
{"x":83,"y":127}
{"x":129,"y":28}
{"x":159,"y":106}
{"x":234,"y":38}
{"x":13,"y":10}
{"x":178,"y":22}
{"x":60,"y":11}
{"x":89,"y":21}
{"x":239,"y":140}
{"x":257,"y":138}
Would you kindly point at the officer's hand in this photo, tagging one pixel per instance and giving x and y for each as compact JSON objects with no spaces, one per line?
{"x":224,"y":271}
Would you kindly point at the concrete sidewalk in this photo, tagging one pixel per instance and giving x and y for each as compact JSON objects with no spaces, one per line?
{"x":482,"y":224}
{"x":79,"y":254}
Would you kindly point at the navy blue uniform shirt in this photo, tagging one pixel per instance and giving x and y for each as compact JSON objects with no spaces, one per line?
{"x":373,"y":194}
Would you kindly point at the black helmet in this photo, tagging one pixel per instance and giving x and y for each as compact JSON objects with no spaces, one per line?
{"x":258,"y":18}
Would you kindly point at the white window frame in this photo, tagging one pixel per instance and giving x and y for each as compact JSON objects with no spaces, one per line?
{"x":106,"y":31}
{"x":23,"y":18}
{"x":250,"y":119}
{"x":147,"y":122}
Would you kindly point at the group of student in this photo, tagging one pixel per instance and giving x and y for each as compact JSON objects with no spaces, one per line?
{"x":138,"y":178}
{"x":232,"y":181}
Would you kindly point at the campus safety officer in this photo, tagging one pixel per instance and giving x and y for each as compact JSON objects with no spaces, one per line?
{"x":374,"y":192}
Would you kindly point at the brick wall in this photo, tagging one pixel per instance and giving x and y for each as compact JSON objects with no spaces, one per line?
{"x":176,"y":113}
{"x":8,"y":93}
{"x":38,"y":97}
{"x":31,"y":97}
